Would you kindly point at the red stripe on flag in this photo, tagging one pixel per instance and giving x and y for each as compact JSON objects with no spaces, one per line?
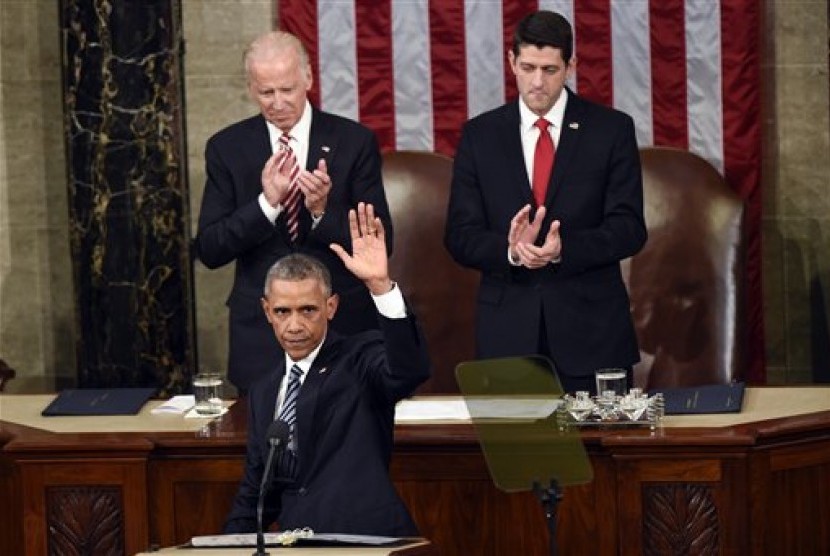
{"x":449,"y":73}
{"x":668,"y":70}
{"x":741,"y":85}
{"x":374,"y":69}
{"x":592,"y":27}
{"x":512,"y":12}
{"x":300,"y":18}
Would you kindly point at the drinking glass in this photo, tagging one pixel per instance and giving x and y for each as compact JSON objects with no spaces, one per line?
{"x":207,"y":390}
{"x":611,"y":380}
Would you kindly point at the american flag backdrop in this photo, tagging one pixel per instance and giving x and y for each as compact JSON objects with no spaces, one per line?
{"x":687,"y":71}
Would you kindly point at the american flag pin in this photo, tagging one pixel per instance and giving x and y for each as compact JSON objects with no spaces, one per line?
{"x":573,"y":125}
{"x":324,"y":369}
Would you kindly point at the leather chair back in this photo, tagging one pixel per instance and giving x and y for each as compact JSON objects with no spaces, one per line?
{"x":6,"y":374}
{"x":687,"y":284}
{"x":441,"y":292}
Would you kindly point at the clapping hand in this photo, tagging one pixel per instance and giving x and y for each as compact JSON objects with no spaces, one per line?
{"x":368,"y":260}
{"x":276,"y":176}
{"x":522,"y":236}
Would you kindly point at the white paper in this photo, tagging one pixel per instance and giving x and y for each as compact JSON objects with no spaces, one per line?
{"x":191,"y":414}
{"x":177,"y":405}
{"x":273,"y":539}
{"x":485,"y":407}
{"x":498,"y":407}
{"x":431,"y":410}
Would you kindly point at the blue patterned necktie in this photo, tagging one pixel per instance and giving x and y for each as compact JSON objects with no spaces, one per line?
{"x":288,"y":413}
{"x":287,"y":466}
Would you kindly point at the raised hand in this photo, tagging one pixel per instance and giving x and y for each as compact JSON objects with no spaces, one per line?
{"x":368,"y":260}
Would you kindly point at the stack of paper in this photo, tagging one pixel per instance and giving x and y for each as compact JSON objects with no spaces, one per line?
{"x":177,"y":405}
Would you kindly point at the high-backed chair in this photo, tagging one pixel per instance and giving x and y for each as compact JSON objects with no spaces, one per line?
{"x":687,"y":284}
{"x":6,"y":374}
{"x":441,"y":292}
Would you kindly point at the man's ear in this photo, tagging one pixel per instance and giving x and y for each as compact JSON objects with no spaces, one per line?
{"x":331,"y":305}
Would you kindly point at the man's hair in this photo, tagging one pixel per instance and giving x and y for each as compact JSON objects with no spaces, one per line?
{"x":272,"y":43}
{"x":296,"y":267}
{"x":544,"y":28}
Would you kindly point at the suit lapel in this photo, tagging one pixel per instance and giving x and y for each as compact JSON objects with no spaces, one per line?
{"x":567,"y":147}
{"x":511,"y":137}
{"x":308,"y":398}
{"x":322,"y":140}
{"x":260,"y":150}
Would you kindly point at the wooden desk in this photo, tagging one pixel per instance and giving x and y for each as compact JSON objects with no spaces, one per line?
{"x":756,"y":486}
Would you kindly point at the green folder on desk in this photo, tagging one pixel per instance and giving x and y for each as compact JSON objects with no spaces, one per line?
{"x":713,"y":398}
{"x":99,"y":401}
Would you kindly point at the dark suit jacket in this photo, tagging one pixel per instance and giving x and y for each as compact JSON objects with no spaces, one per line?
{"x":596,"y":193}
{"x":345,"y":422}
{"x":232,"y":227}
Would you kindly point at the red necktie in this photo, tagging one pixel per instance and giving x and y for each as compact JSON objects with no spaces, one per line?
{"x":292,"y":201}
{"x":542,"y":162}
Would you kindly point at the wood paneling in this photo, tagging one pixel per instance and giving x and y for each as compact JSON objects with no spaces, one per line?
{"x":757,"y":489}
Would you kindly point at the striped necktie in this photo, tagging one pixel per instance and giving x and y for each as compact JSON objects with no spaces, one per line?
{"x":288,"y":413}
{"x":287,"y":464}
{"x":292,"y":201}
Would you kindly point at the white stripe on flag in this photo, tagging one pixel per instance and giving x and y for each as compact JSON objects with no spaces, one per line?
{"x":631,"y":65}
{"x":564,"y":8}
{"x":413,"y":75}
{"x":704,"y":95}
{"x":336,"y":37}
{"x":485,"y":56}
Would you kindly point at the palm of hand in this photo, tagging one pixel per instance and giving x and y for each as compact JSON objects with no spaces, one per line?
{"x":368,"y":258}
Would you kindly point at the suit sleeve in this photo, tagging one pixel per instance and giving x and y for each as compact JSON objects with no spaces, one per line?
{"x":401,"y":363}
{"x":470,"y":235}
{"x":227,"y":228}
{"x":621,"y":232}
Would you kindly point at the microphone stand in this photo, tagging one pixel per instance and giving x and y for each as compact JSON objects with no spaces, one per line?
{"x":277,"y":436}
{"x":549,"y":497}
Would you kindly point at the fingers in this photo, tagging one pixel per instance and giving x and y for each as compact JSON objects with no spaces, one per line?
{"x":340,"y":252}
{"x":539,"y":216}
{"x":532,"y":256}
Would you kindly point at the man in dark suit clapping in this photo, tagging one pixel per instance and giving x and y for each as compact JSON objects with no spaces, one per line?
{"x":546,"y":200}
{"x":282,"y":182}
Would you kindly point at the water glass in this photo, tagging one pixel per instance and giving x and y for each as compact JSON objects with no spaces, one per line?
{"x":613,"y":380}
{"x":207,"y":389}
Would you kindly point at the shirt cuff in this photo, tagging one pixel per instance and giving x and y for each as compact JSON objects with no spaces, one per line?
{"x":270,"y":212}
{"x":391,"y":304}
{"x":510,"y":259}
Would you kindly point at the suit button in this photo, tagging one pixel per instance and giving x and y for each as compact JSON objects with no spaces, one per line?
{"x":303,"y":491}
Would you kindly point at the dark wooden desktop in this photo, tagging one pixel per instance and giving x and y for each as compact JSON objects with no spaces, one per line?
{"x":756,"y":488}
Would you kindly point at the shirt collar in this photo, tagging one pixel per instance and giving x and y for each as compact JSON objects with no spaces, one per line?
{"x":306,"y":362}
{"x":300,"y":132}
{"x":555,"y":115}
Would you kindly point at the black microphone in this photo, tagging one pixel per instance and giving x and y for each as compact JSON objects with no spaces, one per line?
{"x":277,"y":436}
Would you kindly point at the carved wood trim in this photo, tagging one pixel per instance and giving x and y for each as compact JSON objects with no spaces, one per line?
{"x":679,"y":519}
{"x":84,"y":520}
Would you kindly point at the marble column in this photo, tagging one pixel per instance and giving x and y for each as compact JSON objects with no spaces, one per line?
{"x":128,"y":196}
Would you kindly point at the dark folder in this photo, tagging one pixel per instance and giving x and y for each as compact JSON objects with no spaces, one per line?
{"x":99,"y":401}
{"x":713,"y":398}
